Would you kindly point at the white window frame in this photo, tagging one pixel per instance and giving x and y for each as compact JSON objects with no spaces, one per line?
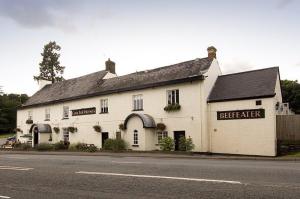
{"x":104,"y":106}
{"x":66,"y":135}
{"x":47,"y":114}
{"x":173,"y":96}
{"x":66,"y":112}
{"x":161,"y":135}
{"x":137,"y":102}
{"x":135,"y":137}
{"x":30,"y":115}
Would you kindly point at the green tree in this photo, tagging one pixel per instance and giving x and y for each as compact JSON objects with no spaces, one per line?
{"x":291,"y":94}
{"x":50,"y":68}
{"x":8,"y":110}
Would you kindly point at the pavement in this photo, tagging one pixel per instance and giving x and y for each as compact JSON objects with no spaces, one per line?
{"x":2,"y":141}
{"x":104,"y":176}
{"x":155,"y":155}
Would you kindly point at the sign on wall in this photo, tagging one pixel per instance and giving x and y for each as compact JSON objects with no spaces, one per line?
{"x":84,"y":111}
{"x":241,"y":114}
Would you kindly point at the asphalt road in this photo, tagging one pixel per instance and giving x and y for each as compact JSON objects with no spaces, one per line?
{"x":50,"y":176}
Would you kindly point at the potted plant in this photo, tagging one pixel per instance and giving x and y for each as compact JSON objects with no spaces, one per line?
{"x":97,"y":128}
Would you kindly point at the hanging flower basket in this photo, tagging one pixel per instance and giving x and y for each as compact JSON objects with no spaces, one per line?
{"x":56,"y":129}
{"x":72,"y":129}
{"x":122,"y":126}
{"x":161,"y":126}
{"x":97,"y":128}
{"x":29,"y":121}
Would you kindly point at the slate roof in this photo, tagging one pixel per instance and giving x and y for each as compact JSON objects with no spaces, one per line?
{"x":245,"y":85}
{"x":148,"y":121}
{"x":94,"y":84}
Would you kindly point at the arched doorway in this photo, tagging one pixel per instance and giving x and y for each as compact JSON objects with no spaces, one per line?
{"x":35,"y":136}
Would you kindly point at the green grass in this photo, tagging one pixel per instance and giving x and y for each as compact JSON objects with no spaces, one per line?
{"x":6,"y":135}
{"x":294,"y":154}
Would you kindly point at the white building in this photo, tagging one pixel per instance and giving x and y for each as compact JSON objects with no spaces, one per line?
{"x":233,"y":113}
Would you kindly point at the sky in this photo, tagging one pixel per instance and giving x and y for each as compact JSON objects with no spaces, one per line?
{"x":145,"y":34}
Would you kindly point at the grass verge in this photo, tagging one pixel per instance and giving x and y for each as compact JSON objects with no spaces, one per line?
{"x":6,"y":135}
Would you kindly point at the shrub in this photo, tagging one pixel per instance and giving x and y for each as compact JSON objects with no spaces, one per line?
{"x":83,"y":147}
{"x":22,"y":146}
{"x":167,"y":144}
{"x":122,"y":126}
{"x":97,"y":128}
{"x":61,"y":145}
{"x":114,"y":144}
{"x":172,"y":107}
{"x":186,"y":144}
{"x":44,"y":147}
{"x":161,"y":126}
{"x":72,"y":129}
{"x":56,"y":129}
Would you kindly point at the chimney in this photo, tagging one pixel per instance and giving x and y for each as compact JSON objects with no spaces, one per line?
{"x":212,"y":52}
{"x":110,"y":66}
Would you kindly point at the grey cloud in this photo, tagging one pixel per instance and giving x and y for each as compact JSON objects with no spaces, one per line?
{"x":38,"y":14}
{"x":283,"y":3}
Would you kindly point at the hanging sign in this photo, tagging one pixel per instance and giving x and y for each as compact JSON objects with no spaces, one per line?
{"x":241,"y":114}
{"x":84,"y":111}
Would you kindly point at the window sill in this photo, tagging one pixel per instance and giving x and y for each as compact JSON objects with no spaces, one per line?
{"x":65,"y":118}
{"x":135,"y":145}
{"x":103,"y":113}
{"x":157,"y":144}
{"x":47,"y":120}
{"x":138,"y":110}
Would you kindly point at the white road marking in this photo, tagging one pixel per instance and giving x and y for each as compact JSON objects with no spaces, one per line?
{"x":15,"y":168}
{"x":4,"y":197}
{"x":159,"y":177}
{"x":125,"y":162}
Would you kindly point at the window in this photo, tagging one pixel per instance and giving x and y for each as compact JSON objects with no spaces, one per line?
{"x":47,"y":114}
{"x":137,"y":102}
{"x":135,"y":137}
{"x":104,"y":105}
{"x":65,"y":112}
{"x":173,"y":96}
{"x":66,"y":134}
{"x":30,"y":115}
{"x":161,"y":135}
{"x":258,"y":102}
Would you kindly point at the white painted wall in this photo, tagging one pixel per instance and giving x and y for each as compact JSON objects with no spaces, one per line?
{"x":246,"y":136}
{"x":120,"y":106}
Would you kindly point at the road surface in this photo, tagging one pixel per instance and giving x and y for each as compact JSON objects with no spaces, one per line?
{"x":62,"y":176}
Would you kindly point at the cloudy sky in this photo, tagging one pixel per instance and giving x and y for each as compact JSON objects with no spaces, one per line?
{"x":141,"y":35}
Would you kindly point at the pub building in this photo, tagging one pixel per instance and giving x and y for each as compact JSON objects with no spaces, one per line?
{"x":232,"y":113}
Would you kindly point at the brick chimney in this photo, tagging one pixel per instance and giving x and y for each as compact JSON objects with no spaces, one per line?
{"x":212,"y":52}
{"x":110,"y":66}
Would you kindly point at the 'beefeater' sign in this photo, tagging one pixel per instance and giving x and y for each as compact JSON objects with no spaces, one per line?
{"x":241,"y":114}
